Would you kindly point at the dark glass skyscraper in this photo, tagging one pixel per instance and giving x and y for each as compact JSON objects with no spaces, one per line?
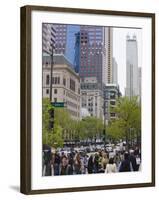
{"x":91,"y":52}
{"x":88,"y":48}
{"x":65,"y":40}
{"x":77,"y":52}
{"x":72,"y":30}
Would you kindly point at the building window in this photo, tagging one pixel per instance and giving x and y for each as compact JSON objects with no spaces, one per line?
{"x":64,"y":81}
{"x":72,"y":84}
{"x":55,"y":91}
{"x":47,"y":91}
{"x":112,"y":114}
{"x":55,"y":99}
{"x":112,"y":103}
{"x":112,"y":95}
{"x":47,"y":79}
{"x":56,"y":80}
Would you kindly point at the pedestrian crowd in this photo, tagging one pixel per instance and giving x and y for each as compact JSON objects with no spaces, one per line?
{"x":60,"y":163}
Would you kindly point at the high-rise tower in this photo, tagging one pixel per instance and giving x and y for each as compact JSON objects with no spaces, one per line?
{"x":48,"y":37}
{"x":108,"y":55}
{"x":131,"y":67}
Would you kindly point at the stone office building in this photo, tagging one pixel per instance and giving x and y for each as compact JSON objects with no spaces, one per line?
{"x":92,"y":97}
{"x":111,"y":94}
{"x":65,"y":83}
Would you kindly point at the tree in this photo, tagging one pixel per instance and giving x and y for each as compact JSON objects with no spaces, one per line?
{"x":63,"y":118}
{"x":65,"y":128}
{"x":128,"y":118}
{"x":52,"y":137}
{"x":91,"y":127}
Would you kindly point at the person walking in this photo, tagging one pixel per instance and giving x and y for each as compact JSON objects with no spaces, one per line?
{"x":71,"y":162}
{"x":96,"y":163}
{"x":56,"y":164}
{"x":65,"y":167}
{"x":77,"y":164}
{"x":85,"y":164}
{"x":125,"y":164}
{"x":90,"y":165}
{"x":47,"y":156}
{"x":133,"y":161}
{"x":111,"y":166}
{"x":104,"y":160}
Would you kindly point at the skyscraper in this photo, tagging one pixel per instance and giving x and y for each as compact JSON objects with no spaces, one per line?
{"x":114,"y":71}
{"x":131,"y":67}
{"x":91,"y":48}
{"x":88,"y":48}
{"x":48,"y":37}
{"x":139,"y":81}
{"x":96,"y":45}
{"x":77,"y":52}
{"x":72,"y":30}
{"x":108,"y":55}
{"x":65,"y":40}
{"x":61,"y":38}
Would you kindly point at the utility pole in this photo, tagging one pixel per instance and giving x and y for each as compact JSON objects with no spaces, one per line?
{"x":51,"y":71}
{"x":104,"y":129}
{"x":51,"y":111}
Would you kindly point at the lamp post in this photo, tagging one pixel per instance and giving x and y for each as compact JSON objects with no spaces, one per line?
{"x":51,"y":70}
{"x":51,"y":111}
{"x":104,"y":128}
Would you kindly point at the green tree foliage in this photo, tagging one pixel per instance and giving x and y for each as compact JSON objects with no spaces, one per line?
{"x":128,"y":112}
{"x":65,"y":128}
{"x":52,"y":137}
{"x":78,"y":129}
{"x":91,"y":127}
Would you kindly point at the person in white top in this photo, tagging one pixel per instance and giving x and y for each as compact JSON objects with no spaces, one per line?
{"x":111,"y":166}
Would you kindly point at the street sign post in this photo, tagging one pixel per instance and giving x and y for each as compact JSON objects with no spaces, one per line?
{"x":58,"y":104}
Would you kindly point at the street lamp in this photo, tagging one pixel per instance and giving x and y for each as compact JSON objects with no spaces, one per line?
{"x":51,"y":70}
{"x":51,"y":111}
{"x":104,"y":128}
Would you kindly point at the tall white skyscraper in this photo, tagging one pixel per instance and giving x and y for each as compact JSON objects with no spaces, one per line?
{"x":139,"y":81}
{"x":107,"y":55}
{"x":132,"y":88}
{"x":114,"y":71}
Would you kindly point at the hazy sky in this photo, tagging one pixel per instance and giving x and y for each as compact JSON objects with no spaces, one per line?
{"x":119,"y":52}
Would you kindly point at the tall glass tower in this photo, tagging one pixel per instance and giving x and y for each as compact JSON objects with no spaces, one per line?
{"x":131,"y":67}
{"x":72,"y":30}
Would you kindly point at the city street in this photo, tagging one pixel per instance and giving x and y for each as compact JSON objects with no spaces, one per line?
{"x":90,"y":159}
{"x":91,"y":99}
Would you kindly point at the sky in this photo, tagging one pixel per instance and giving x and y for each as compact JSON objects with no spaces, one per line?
{"x":119,"y":52}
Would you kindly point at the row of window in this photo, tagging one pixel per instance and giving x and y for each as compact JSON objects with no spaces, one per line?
{"x":72,"y":84}
{"x":69,"y":103}
{"x":56,"y":80}
{"x":91,"y":87}
{"x":72,"y":96}
{"x":89,"y":104}
{"x":67,"y":94}
{"x":97,"y":64}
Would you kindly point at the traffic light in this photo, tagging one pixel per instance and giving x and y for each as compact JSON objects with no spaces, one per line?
{"x":51,"y":118}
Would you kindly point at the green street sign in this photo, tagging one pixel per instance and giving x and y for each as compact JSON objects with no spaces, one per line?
{"x":58,"y":104}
